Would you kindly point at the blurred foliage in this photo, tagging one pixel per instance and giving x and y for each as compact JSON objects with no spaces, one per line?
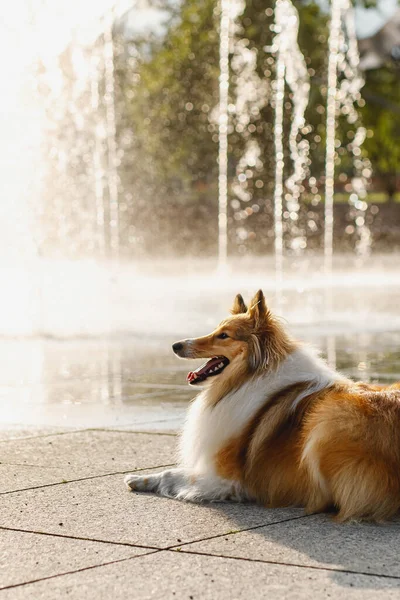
{"x":255,"y":25}
{"x":168,"y":95}
{"x":167,"y":107}
{"x":381,"y":114}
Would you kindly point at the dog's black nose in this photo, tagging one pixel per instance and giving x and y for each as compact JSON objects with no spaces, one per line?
{"x":177,"y":347}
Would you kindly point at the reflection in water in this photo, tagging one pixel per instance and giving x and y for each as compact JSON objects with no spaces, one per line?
{"x":115,"y":376}
{"x":140,"y":383}
{"x":331,"y":351}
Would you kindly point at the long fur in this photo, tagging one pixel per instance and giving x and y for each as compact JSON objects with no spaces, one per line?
{"x":280,"y":427}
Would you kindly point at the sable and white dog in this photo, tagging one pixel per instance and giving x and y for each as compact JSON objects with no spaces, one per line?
{"x":276,"y":425}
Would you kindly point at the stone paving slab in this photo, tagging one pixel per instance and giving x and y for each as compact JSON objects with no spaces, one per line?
{"x":103,"y":508}
{"x":173,"y":575}
{"x":315,"y":541}
{"x":26,"y":557}
{"x":22,"y":477}
{"x":60,"y":458}
{"x":283,"y":553}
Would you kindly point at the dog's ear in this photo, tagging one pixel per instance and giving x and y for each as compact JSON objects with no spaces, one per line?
{"x":238,"y":305}
{"x":258,"y":310}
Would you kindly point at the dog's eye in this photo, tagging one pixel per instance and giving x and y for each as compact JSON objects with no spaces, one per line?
{"x":222,"y":336}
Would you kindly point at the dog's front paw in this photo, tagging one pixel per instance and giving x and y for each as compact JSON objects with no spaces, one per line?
{"x":137,"y":483}
{"x":167,"y":483}
{"x":193,"y":495}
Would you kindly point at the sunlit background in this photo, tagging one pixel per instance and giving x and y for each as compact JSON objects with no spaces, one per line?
{"x":160,"y":156}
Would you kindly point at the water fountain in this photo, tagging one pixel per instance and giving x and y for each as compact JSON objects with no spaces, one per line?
{"x":72,"y":209}
{"x":279,"y":164}
{"x":225,"y":26}
{"x":109,"y":100}
{"x":343,"y":95}
{"x":63,"y":269}
{"x":290,"y":67}
{"x":331,"y":112}
{"x":350,"y":97}
{"x":343,"y":59}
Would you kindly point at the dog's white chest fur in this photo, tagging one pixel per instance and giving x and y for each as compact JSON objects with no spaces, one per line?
{"x":208,"y":428}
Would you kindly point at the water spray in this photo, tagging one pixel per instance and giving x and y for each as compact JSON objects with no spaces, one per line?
{"x":223,"y":118}
{"x":291,"y":69}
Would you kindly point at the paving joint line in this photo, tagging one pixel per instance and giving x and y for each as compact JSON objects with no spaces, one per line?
{"x":131,"y":544}
{"x":133,"y":432}
{"x":86,"y":430}
{"x":40,"y":435}
{"x":157,"y":551}
{"x":113,"y":562}
{"x":213,"y":537}
{"x":80,"y":538}
{"x":176,"y":548}
{"x":66,"y":482}
{"x":287,"y":564}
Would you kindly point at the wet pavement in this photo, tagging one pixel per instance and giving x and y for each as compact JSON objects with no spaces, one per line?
{"x":98,"y":383}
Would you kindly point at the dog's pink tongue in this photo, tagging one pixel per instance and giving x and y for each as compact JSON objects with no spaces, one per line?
{"x":203,"y":370}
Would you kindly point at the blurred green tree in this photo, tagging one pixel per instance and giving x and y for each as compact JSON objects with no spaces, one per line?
{"x":168,"y":128}
{"x":381,"y":115}
{"x":171,"y":108}
{"x":166,"y":106}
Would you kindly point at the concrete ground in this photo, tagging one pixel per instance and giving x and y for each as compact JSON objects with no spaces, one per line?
{"x":69,"y":528}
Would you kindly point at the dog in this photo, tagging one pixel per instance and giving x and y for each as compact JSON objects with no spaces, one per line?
{"x":276,"y":425}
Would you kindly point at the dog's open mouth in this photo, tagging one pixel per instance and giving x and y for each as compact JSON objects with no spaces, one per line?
{"x":212,"y":367}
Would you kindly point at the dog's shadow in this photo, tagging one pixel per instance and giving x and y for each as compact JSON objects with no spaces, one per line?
{"x":363,"y":555}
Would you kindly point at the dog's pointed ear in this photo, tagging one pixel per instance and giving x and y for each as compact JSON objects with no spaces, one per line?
{"x":258,"y":310}
{"x":238,"y":305}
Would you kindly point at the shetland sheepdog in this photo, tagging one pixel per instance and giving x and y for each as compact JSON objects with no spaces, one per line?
{"x":274,"y":424}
